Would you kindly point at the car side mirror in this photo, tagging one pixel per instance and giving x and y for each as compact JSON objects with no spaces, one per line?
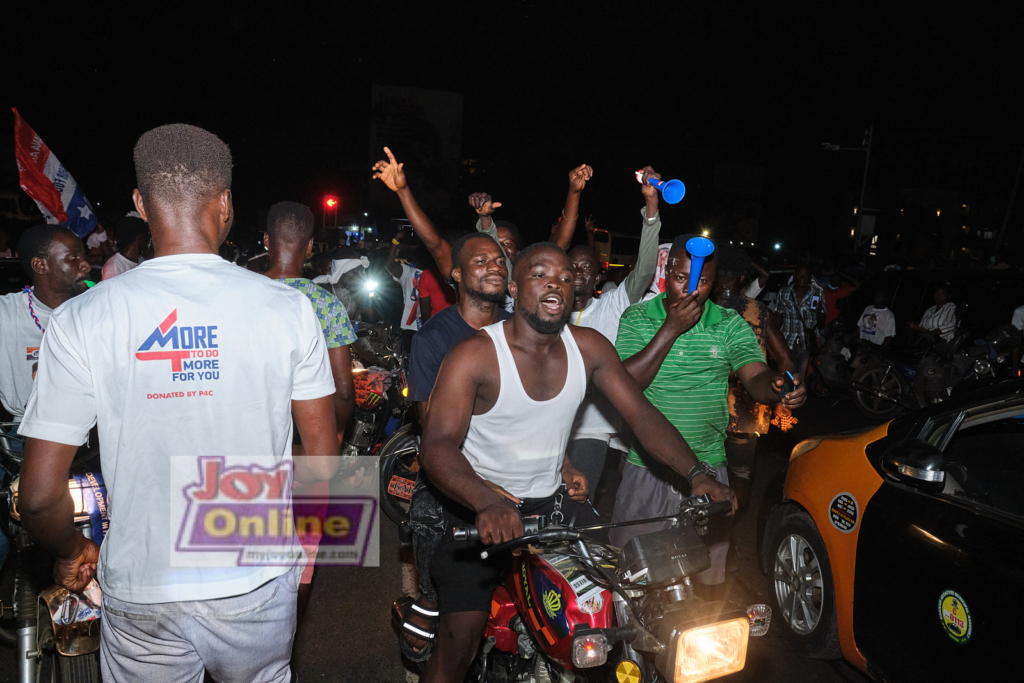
{"x":916,"y":463}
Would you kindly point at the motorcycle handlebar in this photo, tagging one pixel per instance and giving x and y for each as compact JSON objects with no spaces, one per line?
{"x":699,"y":507}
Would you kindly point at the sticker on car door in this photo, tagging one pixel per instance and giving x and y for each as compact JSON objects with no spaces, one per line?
{"x":843,"y":512}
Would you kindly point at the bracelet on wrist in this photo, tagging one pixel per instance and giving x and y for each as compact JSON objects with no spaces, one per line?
{"x":567,"y":218}
{"x":395,"y":242}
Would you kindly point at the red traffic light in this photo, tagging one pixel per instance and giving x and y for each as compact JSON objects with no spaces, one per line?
{"x":331,"y":202}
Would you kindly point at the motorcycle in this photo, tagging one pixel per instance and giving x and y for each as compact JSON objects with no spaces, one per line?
{"x":378,"y":374}
{"x":56,"y":633}
{"x":890,"y":382}
{"x":578,"y":610}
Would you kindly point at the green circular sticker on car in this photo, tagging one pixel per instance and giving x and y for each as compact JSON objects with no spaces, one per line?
{"x":955,"y":616}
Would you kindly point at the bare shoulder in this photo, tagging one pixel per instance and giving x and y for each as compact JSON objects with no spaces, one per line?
{"x":470,"y":355}
{"x":592,"y":344}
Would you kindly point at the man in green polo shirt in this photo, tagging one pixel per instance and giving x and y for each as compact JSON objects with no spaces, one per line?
{"x":681,"y":349}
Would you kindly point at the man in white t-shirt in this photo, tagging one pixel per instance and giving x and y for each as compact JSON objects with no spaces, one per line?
{"x":597,"y":423}
{"x":132,"y":235}
{"x":408,"y":277}
{"x":54,"y":258}
{"x":124,"y":356}
{"x":877,"y":323}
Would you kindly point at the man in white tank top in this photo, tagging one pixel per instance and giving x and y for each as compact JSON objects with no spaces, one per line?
{"x":501,"y":410}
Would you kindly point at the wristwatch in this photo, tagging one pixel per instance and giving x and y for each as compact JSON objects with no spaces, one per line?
{"x":700,"y":468}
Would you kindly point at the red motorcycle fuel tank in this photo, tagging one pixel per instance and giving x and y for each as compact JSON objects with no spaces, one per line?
{"x":554,"y":595}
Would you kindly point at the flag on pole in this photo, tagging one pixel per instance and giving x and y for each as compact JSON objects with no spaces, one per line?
{"x":45,"y":180}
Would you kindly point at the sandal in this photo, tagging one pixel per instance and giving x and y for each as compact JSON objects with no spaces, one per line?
{"x":404,"y":609}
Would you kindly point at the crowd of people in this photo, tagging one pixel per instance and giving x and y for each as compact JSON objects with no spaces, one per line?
{"x":527,"y":374}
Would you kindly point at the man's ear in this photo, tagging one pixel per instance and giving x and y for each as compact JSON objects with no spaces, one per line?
{"x":309,"y":247}
{"x":227,"y":209}
{"x":266,"y":239}
{"x":39,"y":266}
{"x":513,"y":289}
{"x":137,"y":200}
{"x":457,"y":275}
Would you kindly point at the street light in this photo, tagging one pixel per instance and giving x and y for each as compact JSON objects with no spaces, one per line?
{"x":777,"y":246}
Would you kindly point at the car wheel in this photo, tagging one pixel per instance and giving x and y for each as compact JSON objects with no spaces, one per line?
{"x":882,"y":393}
{"x":802,"y":586}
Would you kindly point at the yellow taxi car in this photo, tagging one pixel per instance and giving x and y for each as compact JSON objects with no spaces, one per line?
{"x":901,"y":548}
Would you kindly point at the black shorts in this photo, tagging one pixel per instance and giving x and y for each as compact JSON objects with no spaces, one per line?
{"x":464,"y":582}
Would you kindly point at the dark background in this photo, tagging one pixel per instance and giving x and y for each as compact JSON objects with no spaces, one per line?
{"x":547,"y":86}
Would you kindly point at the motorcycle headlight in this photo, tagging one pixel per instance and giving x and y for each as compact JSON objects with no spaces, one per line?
{"x":712,"y":651}
{"x":589,"y":650}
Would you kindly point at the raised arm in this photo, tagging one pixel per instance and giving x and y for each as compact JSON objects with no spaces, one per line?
{"x":458,"y":383}
{"x":391,"y":173}
{"x":578,"y":177}
{"x":637,"y":282}
{"x":657,"y":435}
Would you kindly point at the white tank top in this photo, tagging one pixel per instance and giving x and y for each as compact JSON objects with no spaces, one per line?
{"x":519,"y":443}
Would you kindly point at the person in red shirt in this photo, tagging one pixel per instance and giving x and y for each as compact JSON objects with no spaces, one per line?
{"x":839,"y":287}
{"x":435,"y":294}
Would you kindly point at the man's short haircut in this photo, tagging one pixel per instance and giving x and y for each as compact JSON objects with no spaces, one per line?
{"x":345,"y":254}
{"x":513,"y":231}
{"x":181,"y":164}
{"x":586,"y":248}
{"x":459,"y":245}
{"x":128,"y":229}
{"x":290,"y":222}
{"x":524,"y":256}
{"x":320,"y":259}
{"x":733,"y":261}
{"x":679,"y":244}
{"x":35,"y":243}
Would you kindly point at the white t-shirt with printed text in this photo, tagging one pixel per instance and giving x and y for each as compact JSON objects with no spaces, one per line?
{"x":20,"y":338}
{"x":184,"y":356}
{"x":876,"y":324}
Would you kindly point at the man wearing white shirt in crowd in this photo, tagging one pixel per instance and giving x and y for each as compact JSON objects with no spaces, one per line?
{"x":940,"y":318}
{"x":408,"y":277}
{"x":54,"y":259}
{"x":877,"y":323}
{"x":112,"y":357}
{"x":132,"y":235}
{"x":597,"y":423}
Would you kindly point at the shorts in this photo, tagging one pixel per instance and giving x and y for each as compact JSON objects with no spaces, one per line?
{"x":740,"y":450}
{"x":464,"y":582}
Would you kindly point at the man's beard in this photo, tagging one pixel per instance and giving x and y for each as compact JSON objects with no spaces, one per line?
{"x":489,"y":297}
{"x":546,"y":326}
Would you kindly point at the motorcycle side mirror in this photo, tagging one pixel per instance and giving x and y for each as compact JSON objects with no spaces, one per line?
{"x":916,"y":463}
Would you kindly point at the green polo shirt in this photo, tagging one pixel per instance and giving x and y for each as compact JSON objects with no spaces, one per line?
{"x":692,"y":384}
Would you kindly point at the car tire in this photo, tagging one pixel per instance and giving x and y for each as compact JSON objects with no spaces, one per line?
{"x":803,"y":594}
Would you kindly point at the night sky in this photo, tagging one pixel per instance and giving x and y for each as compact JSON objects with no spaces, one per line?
{"x":547,"y":86}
